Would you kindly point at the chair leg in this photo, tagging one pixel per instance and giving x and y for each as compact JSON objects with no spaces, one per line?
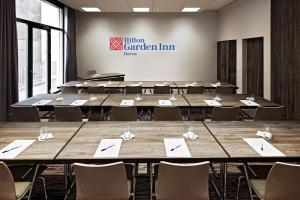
{"x":238,"y":187}
{"x":33,"y":181}
{"x":213,"y":170}
{"x":248,"y":182}
{"x":45,"y":187}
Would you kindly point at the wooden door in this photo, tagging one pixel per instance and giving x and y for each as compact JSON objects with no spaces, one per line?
{"x":253,"y":66}
{"x":227,"y":61}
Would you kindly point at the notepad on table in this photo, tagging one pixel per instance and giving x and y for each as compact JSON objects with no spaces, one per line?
{"x":78,"y":102}
{"x":15,"y":148}
{"x":165,"y":103}
{"x":108,"y":148}
{"x":176,"y":147}
{"x":41,"y":102}
{"x":262,"y":147}
{"x":212,"y":103}
{"x":127,"y":103}
{"x":249,"y":103}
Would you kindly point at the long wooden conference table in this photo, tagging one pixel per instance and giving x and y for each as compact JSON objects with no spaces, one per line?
{"x":218,"y":142}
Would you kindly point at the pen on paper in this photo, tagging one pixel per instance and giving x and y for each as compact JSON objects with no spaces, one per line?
{"x":104,"y":149}
{"x":11,"y":149}
{"x":175,"y":148}
{"x":262,"y":147}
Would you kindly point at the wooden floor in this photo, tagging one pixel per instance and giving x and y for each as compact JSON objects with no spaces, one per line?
{"x":55,"y":184}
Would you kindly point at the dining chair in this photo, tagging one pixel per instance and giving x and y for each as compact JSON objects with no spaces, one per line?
{"x":162,"y":89}
{"x":68,"y":114}
{"x":96,"y":90}
{"x":195,"y":89}
{"x":167,"y":113}
{"x":101,"y":182}
{"x":282,"y":183}
{"x":11,"y":190}
{"x":225,"y":90}
{"x":134,"y":90}
{"x":124,"y":113}
{"x":225,"y":114}
{"x":25,"y":114}
{"x":182,"y":181}
{"x":69,"y":90}
{"x":268,"y":114}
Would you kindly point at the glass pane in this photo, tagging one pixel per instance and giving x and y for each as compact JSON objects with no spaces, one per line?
{"x":56,"y":59}
{"x":39,"y":11}
{"x":23,"y":61}
{"x":40,"y":60}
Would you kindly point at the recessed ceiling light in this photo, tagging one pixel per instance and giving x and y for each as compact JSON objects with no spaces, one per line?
{"x":91,"y":9}
{"x":190,"y":9}
{"x":141,"y":9}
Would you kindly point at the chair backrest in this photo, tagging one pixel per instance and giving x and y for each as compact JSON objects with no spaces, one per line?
{"x":123,"y":113}
{"x":96,"y":90}
{"x":90,"y":72}
{"x":7,"y":184}
{"x":167,"y":114}
{"x":69,"y":90}
{"x":283,"y":182}
{"x":25,"y":114}
{"x":182,"y":181}
{"x":225,"y":114}
{"x":134,"y":90}
{"x":224,"y":90}
{"x":162,"y":89}
{"x":195,"y":89}
{"x":268,"y":113}
{"x":101,"y":181}
{"x":68,"y":114}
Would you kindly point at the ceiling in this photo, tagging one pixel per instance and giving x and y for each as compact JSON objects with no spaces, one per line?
{"x":154,"y":5}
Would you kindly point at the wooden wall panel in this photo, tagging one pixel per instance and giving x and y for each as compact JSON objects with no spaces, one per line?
{"x":285,"y":53}
{"x":227,"y":61}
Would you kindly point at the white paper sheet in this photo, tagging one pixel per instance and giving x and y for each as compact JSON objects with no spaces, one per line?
{"x":263,"y":147}
{"x":15,"y":148}
{"x":127,"y":103}
{"x":164,"y":103}
{"x":216,"y":84}
{"x":78,"y":85}
{"x":78,"y":102}
{"x":176,"y":147}
{"x":249,"y":103}
{"x":41,"y":102}
{"x":135,"y":84}
{"x":102,"y":85}
{"x":108,"y":148}
{"x":212,"y":103}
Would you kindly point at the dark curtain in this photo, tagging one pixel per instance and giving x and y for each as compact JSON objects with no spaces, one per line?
{"x":71,"y":68}
{"x":8,"y":57}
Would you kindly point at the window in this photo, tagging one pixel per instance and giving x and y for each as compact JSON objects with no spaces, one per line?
{"x":39,"y":11}
{"x":41,"y":47}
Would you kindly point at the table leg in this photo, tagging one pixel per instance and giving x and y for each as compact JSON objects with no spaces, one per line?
{"x":151,"y":179}
{"x":67,"y":182}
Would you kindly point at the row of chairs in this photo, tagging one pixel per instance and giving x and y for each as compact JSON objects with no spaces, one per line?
{"x":73,"y":113}
{"x":175,"y":181}
{"x":157,"y":90}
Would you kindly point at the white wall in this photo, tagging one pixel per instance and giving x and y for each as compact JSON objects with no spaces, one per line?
{"x":194,"y":34}
{"x":248,"y":19}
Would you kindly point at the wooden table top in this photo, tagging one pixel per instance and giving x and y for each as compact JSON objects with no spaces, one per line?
{"x":147,"y":84}
{"x":100,"y":76}
{"x":197,"y":100}
{"x":206,"y":84}
{"x":148,"y":143}
{"x":86,"y":84}
{"x":148,"y":100}
{"x":67,"y":99}
{"x":46,"y":150}
{"x":286,"y":137}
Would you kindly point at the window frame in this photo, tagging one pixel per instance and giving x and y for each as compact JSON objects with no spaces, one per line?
{"x":30,"y":26}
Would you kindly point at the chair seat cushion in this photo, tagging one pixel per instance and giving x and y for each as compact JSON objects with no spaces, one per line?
{"x":259,"y":187}
{"x":22,"y":188}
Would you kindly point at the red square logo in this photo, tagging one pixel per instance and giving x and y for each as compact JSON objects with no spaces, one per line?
{"x":116,"y":43}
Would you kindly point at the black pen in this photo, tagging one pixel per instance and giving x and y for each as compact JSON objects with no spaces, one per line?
{"x":262,"y":147}
{"x":107,"y":147}
{"x":175,"y":148}
{"x":10,"y":149}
